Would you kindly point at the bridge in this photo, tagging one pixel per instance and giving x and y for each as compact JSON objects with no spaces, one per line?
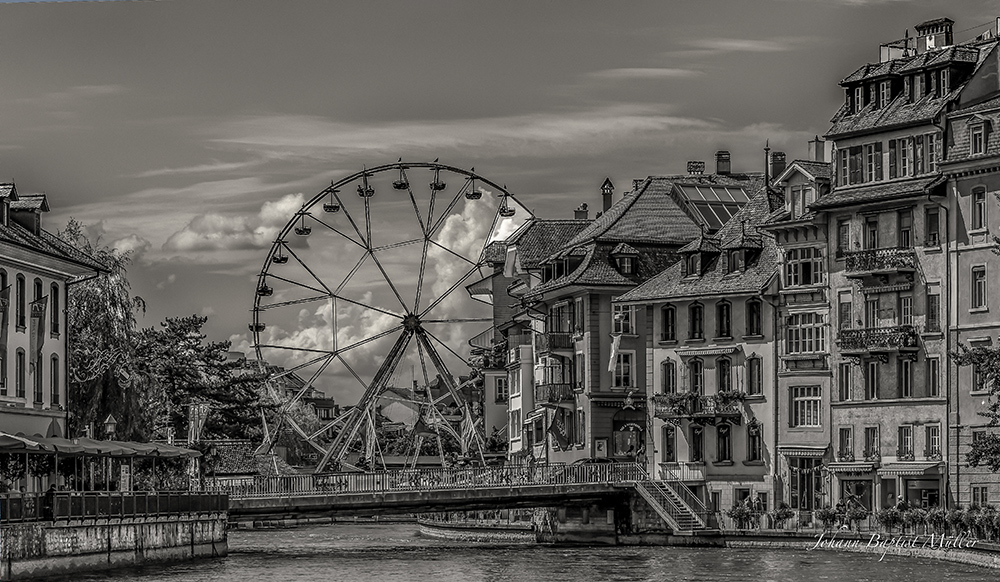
{"x":437,"y":490}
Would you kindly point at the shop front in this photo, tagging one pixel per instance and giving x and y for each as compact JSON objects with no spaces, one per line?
{"x":855,"y":484}
{"x":918,"y":484}
{"x":807,"y":479}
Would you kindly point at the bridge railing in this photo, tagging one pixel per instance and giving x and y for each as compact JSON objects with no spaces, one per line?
{"x":15,"y":507}
{"x":429,"y":479}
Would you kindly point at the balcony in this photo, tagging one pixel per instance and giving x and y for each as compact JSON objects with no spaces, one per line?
{"x":684,"y":405}
{"x":684,"y":471}
{"x":880,"y":262}
{"x":554,"y":341}
{"x":858,"y":342}
{"x":553,"y":394}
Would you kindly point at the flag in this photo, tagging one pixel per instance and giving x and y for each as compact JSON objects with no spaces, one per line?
{"x":558,"y":428}
{"x":37,"y":337}
{"x":616,"y":340}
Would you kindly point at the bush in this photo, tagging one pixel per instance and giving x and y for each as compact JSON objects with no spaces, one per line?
{"x":741,"y":516}
{"x":781,"y":514}
{"x":889,"y":517}
{"x":986,"y":521}
{"x":855,"y":515}
{"x":914,"y":517}
{"x":955,"y":518}
{"x":828,"y":516}
{"x":937,"y":518}
{"x":970,"y":519}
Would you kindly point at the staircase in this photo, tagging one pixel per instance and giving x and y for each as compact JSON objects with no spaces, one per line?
{"x":676,"y":505}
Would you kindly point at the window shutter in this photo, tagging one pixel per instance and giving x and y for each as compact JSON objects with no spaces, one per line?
{"x":878,"y":160}
{"x":892,"y":158}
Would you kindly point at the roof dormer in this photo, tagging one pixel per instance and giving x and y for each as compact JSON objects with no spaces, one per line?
{"x":698,"y":255}
{"x":626,"y":259}
{"x":27,"y":211}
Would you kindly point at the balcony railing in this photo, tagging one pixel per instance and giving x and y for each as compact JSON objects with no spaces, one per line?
{"x":845,"y":456}
{"x":878,"y":339}
{"x":554,"y":340}
{"x":681,"y":405}
{"x":876,"y":261}
{"x":682,"y":471}
{"x":553,"y":393}
{"x":904,"y":454}
{"x":99,"y":504}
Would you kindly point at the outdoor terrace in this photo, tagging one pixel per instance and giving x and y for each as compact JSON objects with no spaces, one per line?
{"x":885,"y":261}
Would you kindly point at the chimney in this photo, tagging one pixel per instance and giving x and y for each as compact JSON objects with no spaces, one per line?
{"x":581,"y":212}
{"x":607,"y":191}
{"x":695,"y":168}
{"x":934,"y":34}
{"x":817,"y":149}
{"x":777,"y":164}
{"x":723,"y":164}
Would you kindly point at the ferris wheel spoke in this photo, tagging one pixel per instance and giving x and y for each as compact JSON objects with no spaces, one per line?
{"x":328,"y":426}
{"x":447,"y":347}
{"x":444,"y":216}
{"x":322,"y":297}
{"x":367,"y":340}
{"x":444,"y":248}
{"x":450,"y":290}
{"x":347,"y":279}
{"x":459,"y":320}
{"x":295,"y":349}
{"x":423,"y":363}
{"x":336,"y":230}
{"x":420,"y":277}
{"x":397,"y":245}
{"x":351,"y":370}
{"x":299,"y":260}
{"x":388,"y":280}
{"x":350,"y":219}
{"x":287,"y":371}
{"x":293,"y":282}
{"x":416,"y":209}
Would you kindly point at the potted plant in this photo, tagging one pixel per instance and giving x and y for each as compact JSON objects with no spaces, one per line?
{"x":828,"y":516}
{"x":781,"y":514}
{"x":914,"y":517}
{"x":937,"y":518}
{"x":889,"y":518}
{"x":855,"y":515}
{"x":741,"y":516}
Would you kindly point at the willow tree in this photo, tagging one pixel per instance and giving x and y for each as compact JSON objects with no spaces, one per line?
{"x":101,"y":315}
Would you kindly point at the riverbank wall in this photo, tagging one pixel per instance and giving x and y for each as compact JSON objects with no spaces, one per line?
{"x":38,"y":549}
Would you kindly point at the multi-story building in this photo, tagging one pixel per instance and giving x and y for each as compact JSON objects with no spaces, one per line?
{"x":877,"y":268}
{"x":35,"y":269}
{"x":589,"y":356}
{"x":710,"y":359}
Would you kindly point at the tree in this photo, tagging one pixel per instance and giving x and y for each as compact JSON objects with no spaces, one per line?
{"x":101,"y":316}
{"x":986,"y":450}
{"x":184,"y":369}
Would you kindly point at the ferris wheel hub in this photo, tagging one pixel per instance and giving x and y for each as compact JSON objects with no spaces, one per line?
{"x":411,"y":322}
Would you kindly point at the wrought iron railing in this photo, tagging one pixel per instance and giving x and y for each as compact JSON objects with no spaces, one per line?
{"x":679,"y":488}
{"x":553,"y":393}
{"x":431,"y":479}
{"x":904,"y":454}
{"x":554,"y":340}
{"x":681,"y":405}
{"x":877,"y":338}
{"x":66,"y":505}
{"x":880,"y":260}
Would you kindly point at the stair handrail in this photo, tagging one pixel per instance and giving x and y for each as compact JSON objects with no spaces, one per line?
{"x":683,"y":491}
{"x":671,"y":513}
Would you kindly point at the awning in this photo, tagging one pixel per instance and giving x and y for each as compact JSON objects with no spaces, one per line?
{"x":803,"y":450}
{"x":911,"y":469}
{"x":10,"y":443}
{"x":61,"y":445}
{"x":851,"y":468}
{"x":708,"y":351}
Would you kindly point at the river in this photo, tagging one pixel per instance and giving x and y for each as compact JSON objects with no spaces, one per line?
{"x":396,"y":552}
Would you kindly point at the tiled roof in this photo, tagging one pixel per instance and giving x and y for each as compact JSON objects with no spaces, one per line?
{"x":49,"y":244}
{"x":30,"y":202}
{"x":597,"y":268}
{"x":495,"y":252}
{"x":815,"y":169}
{"x":542,"y":238}
{"x":876,"y":192}
{"x":993,"y":103}
{"x":624,"y":249}
{"x":8,"y":190}
{"x":753,"y":279}
{"x":702,"y":244}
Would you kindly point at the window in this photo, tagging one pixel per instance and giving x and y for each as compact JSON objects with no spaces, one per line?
{"x":978,"y":379}
{"x":54,"y":302}
{"x":805,"y":333}
{"x":943,"y":81}
{"x":933,"y":310}
{"x":696,"y":321}
{"x":803,"y":267}
{"x":696,"y":375}
{"x":979,"y":287}
{"x":904,"y":442}
{"x":845,"y":310}
{"x":3,"y":372}
{"x":806,"y":406}
{"x":872,"y":449}
{"x":843,"y":167}
{"x":855,"y":164}
{"x":36,"y":377}
{"x":980,"y":496}
{"x":755,"y":317}
{"x":19,"y":373}
{"x":622,"y":319}
{"x":724,"y":375}
{"x":755,"y":445}
{"x":932,"y":226}
{"x":930,"y":143}
{"x":859,"y":98}
{"x":905,"y":378}
{"x":884,"y":94}
{"x":668,"y":370}
{"x":579,"y":371}
{"x":626,"y":265}
{"x":905,"y":229}
{"x":581,"y":426}
{"x":733,"y":261}
{"x":843,"y":237}
{"x":899,"y":157}
{"x":501,"y":390}
{"x":668,"y":447}
{"x":977,"y":138}
{"x":844,"y":382}
{"x":979,"y":209}
{"x":755,"y":377}
{"x":873,"y":162}
{"x":933,"y":377}
{"x":669,"y":327}
{"x":871,"y":232}
{"x":918,"y":155}
{"x":515,"y":424}
{"x":871,"y":380}
{"x":723,"y":320}
{"x":21,"y":305}
{"x":623,"y":370}
{"x":578,"y":317}
{"x":906,"y":310}
{"x":697,"y":452}
{"x":845,"y":443}
{"x":538,"y":430}
{"x":871,"y":312}
{"x":692,"y":265}
{"x":724,"y":443}
{"x":932,"y":441}
{"x":802,"y":196}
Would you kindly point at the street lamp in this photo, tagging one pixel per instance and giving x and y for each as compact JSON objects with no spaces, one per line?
{"x":109,"y":426}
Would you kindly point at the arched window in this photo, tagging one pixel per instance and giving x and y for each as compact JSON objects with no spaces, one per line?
{"x":755,"y":378}
{"x":36,"y":379}
{"x":696,"y":376}
{"x":669,"y":323}
{"x":696,"y":321}
{"x":668,"y":370}
{"x":21,"y":304}
{"x":19,"y":373}
{"x":54,"y":308}
{"x":37,"y":284}
{"x":724,"y":443}
{"x":692,"y":265}
{"x":754,"y":317}
{"x":724,"y":327}
{"x":724,"y":374}
{"x":54,"y":378}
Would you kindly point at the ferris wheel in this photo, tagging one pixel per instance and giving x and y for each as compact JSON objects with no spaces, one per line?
{"x":363,"y":287}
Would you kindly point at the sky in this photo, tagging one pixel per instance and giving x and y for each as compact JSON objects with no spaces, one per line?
{"x":191,"y":131}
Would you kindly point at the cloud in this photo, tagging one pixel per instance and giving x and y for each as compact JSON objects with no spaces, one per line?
{"x":171,"y":278}
{"x":217,"y":232}
{"x":644,"y":73}
{"x":75,"y":93}
{"x":740,"y":45}
{"x":214,"y":166}
{"x":132,"y":244}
